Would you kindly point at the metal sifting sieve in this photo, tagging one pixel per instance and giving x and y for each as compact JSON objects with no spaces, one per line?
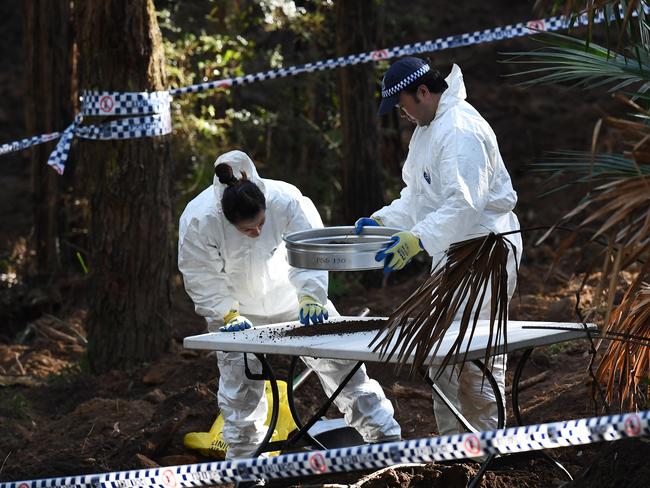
{"x":337,"y":248}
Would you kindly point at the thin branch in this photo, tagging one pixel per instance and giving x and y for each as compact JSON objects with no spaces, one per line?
{"x":5,"y":461}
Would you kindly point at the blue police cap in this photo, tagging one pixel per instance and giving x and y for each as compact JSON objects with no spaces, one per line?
{"x":400,"y":75}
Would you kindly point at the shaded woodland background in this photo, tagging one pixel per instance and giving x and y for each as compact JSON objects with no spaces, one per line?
{"x":318,"y":131}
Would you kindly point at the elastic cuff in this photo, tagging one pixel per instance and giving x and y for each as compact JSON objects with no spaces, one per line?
{"x":305,"y":298}
{"x":378,"y":220}
{"x":417,"y":234}
{"x":230,"y":315}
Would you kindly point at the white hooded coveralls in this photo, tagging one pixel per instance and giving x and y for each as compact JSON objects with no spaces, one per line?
{"x":221,"y":266}
{"x":457,"y":187}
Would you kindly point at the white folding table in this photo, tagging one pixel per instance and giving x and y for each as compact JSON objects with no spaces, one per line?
{"x":271,"y":339}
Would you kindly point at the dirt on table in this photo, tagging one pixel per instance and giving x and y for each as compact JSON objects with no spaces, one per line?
{"x":58,"y":420}
{"x":337,"y":328}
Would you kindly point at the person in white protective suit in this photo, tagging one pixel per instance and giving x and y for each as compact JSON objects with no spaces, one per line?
{"x":457,"y":187}
{"x":235,"y":269}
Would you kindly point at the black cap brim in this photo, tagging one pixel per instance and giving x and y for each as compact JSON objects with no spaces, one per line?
{"x":387,"y":104}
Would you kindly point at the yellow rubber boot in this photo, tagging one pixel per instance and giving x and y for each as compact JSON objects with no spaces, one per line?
{"x":211,"y":444}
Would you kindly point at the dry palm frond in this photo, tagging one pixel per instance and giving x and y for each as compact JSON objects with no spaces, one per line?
{"x":473,"y":270}
{"x":618,"y":200}
{"x":624,"y":205}
{"x":626,"y":364}
{"x":622,"y":210}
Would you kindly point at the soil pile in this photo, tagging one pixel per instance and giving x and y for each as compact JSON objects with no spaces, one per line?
{"x":339,"y":328}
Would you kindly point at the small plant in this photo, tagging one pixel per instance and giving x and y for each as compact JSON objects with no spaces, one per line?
{"x":420,"y":323}
{"x":558,"y":348}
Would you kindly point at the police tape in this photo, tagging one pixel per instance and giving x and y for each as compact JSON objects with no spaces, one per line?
{"x":158,"y":120}
{"x":511,"y":31}
{"x":152,"y":118}
{"x":373,"y":456}
{"x":151,"y":108}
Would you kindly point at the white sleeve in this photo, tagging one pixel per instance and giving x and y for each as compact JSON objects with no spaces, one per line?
{"x":398,"y":213}
{"x":465,"y":172}
{"x":202,"y":267}
{"x":303,"y":215}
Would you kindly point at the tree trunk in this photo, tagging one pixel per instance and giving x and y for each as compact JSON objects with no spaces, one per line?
{"x":120,"y":49}
{"x":356,"y":31}
{"x":50,"y":91}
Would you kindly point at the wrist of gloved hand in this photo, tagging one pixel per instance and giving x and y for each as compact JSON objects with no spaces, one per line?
{"x":403,"y":247}
{"x":310,"y":310}
{"x":366,"y":222}
{"x":234,"y":322}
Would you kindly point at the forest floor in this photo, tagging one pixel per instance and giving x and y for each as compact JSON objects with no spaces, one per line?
{"x":58,"y":420}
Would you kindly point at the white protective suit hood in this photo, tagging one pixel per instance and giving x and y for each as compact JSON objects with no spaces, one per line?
{"x":239,"y":162}
{"x":222,"y":267}
{"x":455,"y":91}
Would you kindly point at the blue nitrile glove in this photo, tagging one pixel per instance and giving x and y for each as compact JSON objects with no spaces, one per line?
{"x":366,"y":221}
{"x":310,"y":309}
{"x":234,"y":322}
{"x":400,"y":251}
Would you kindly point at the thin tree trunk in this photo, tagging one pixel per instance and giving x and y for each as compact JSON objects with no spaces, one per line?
{"x":356,"y":31}
{"x":120,"y":49}
{"x":50,"y":91}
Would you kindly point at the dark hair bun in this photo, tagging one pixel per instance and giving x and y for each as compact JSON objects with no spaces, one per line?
{"x":225,"y":174}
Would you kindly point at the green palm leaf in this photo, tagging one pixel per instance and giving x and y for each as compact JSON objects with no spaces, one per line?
{"x":586,"y":168}
{"x":583,"y":164}
{"x":566,"y":59}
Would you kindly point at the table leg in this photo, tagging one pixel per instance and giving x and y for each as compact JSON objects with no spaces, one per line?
{"x":323,"y":409}
{"x":501,"y":407}
{"x":515,"y":384}
{"x":292,"y":405}
{"x":459,"y":416}
{"x":501,"y":414}
{"x":267,"y":374}
{"x":441,"y":396}
{"x":501,"y":419}
{"x":517,"y":412}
